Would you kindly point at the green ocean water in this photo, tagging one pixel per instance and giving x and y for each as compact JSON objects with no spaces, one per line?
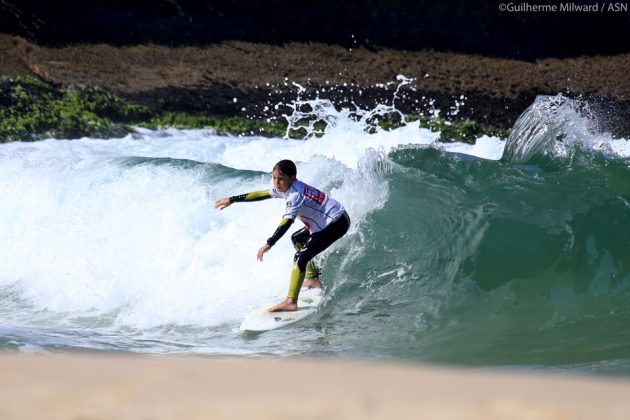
{"x":495,"y":263}
{"x":451,"y":258}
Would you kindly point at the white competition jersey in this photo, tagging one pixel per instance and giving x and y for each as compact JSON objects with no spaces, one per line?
{"x":313,"y":207}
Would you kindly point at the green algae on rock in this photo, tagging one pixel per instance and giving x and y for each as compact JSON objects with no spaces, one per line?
{"x":31,"y":109}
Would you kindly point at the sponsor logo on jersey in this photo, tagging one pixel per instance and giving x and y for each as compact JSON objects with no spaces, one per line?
{"x":315,"y":195}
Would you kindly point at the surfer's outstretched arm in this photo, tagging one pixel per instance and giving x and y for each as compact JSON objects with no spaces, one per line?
{"x":252,"y":196}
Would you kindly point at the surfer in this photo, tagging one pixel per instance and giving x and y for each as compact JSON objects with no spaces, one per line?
{"x":325,"y":219}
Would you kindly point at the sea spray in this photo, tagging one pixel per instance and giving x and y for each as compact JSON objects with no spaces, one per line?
{"x":313,"y":117}
{"x":555,"y":126}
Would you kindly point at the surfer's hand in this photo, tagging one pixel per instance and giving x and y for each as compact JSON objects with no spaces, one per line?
{"x":262,"y":251}
{"x":222,"y":203}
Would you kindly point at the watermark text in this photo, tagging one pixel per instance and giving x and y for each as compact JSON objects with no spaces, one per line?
{"x":567,"y":7}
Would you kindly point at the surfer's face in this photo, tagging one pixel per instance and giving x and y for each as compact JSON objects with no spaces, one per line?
{"x":281,"y":182}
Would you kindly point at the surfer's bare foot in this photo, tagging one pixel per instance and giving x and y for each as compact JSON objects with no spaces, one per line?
{"x":287,"y":305}
{"x":313,"y":282}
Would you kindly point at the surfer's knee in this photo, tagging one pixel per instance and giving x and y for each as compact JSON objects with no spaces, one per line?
{"x":300,"y":238}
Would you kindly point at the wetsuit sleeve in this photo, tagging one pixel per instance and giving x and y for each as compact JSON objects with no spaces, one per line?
{"x":252,"y":196}
{"x":281,"y":230}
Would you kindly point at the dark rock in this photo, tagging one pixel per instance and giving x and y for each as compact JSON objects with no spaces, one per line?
{"x":449,"y":25}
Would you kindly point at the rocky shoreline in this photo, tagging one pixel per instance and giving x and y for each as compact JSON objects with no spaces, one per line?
{"x":260,"y":81}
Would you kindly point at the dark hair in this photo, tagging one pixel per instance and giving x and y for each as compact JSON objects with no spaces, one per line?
{"x":286,"y":167}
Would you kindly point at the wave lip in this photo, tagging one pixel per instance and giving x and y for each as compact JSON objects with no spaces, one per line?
{"x":555,"y":126}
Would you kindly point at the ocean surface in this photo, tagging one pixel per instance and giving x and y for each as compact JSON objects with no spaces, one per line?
{"x":509,"y":253}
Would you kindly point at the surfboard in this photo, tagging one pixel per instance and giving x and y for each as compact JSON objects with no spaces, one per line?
{"x":260,"y":320}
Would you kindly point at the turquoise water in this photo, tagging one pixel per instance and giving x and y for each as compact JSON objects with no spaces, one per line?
{"x":457,"y":254}
{"x":482,"y":262}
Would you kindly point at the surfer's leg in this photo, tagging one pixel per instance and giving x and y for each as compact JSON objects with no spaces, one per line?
{"x":302,"y":258}
{"x":290,"y":304}
{"x":297,"y":278}
{"x":300,"y":239}
{"x":319,"y":241}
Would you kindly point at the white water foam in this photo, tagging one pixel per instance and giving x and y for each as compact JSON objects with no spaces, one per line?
{"x":85,"y":233}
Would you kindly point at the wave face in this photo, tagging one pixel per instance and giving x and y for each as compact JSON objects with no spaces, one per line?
{"x":455,"y":255}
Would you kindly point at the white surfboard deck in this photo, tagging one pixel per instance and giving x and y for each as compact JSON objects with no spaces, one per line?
{"x":261,"y":320}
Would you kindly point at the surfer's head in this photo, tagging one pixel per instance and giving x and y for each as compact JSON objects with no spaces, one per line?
{"x":283,"y":175}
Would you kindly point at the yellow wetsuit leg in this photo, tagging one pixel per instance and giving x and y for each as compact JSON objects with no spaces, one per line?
{"x":297,"y":278}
